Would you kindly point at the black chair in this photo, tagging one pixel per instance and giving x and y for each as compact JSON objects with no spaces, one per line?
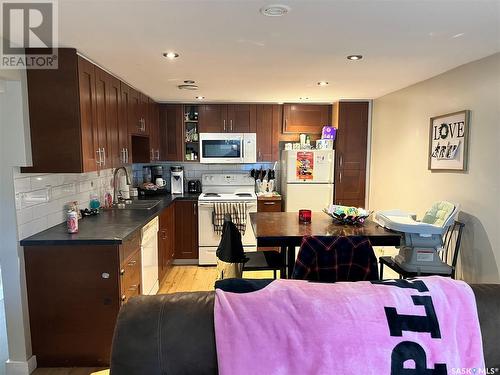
{"x":451,"y":245}
{"x":265,"y":261}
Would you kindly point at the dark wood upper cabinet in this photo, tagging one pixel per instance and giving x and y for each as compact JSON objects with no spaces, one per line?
{"x":154,"y":130}
{"x":227,"y":118}
{"x":306,"y":118}
{"x":268,"y":124}
{"x":171,"y":132}
{"x":351,"y":153}
{"x":108,"y":117}
{"x":81,"y":117}
{"x":186,"y":229}
{"x":240,"y":118}
{"x":212,"y":118}
{"x":123,"y":135}
{"x":62,"y":115}
{"x":88,"y":121}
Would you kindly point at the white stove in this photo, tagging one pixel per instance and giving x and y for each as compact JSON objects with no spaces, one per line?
{"x":227,"y":187}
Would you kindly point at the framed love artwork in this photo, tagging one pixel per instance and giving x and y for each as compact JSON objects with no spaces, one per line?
{"x":449,"y":142}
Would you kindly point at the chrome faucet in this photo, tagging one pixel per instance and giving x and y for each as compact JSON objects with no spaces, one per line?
{"x":115,"y":173}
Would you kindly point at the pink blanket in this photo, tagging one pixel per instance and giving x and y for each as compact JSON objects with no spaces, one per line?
{"x":298,"y":327}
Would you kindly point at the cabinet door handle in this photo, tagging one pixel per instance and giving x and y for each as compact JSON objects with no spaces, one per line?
{"x":340,"y":176}
{"x":133,"y":287}
{"x":131,"y":263}
{"x":231,"y":122}
{"x":104,"y":156}
{"x":260,"y":155}
{"x":341,"y":161}
{"x":126,"y":153}
{"x":194,"y":209}
{"x":224,"y":122}
{"x":99,"y":161}
{"x":269,"y":203}
{"x":158,"y":155}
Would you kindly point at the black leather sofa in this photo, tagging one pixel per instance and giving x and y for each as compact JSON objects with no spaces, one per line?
{"x":174,"y":333}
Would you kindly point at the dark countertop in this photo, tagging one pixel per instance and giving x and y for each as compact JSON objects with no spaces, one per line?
{"x":111,"y":226}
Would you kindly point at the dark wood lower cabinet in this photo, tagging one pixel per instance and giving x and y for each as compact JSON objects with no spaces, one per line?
{"x":186,"y":229}
{"x":166,"y":238}
{"x":74,"y":295}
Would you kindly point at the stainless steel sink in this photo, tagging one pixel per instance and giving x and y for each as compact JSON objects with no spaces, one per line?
{"x":137,"y":205}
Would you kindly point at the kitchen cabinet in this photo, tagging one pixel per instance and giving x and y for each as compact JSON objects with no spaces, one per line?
{"x":107,"y":108}
{"x":227,"y":118}
{"x":186,"y":229}
{"x":171,"y":132}
{"x":270,"y":204}
{"x":74,"y":295}
{"x":166,"y":238}
{"x":306,"y":118}
{"x":81,"y":117}
{"x":123,"y":135}
{"x":62,"y":115}
{"x":154,"y":130}
{"x":351,"y":153}
{"x":267,"y":127}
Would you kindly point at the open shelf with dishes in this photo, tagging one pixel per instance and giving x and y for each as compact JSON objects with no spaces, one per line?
{"x":191,"y":136}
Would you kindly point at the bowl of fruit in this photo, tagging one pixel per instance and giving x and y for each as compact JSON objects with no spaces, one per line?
{"x":347,"y":215}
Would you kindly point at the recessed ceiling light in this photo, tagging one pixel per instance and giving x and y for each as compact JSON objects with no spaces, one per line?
{"x":354,"y":57}
{"x":189,"y":81}
{"x":275,"y":10}
{"x":304,"y":98}
{"x":171,"y":55}
{"x":200,"y":97}
{"x":187,"y":87}
{"x":322,"y":83}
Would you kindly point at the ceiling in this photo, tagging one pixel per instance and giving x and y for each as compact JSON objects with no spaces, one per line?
{"x":236,"y":54}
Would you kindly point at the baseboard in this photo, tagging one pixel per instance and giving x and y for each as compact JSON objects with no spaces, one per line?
{"x":185,"y":262}
{"x":20,"y":367}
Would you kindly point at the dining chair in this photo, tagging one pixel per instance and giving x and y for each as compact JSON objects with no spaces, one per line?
{"x":451,"y":248}
{"x":335,"y":258}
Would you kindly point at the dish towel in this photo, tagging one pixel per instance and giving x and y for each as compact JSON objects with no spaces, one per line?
{"x":238,"y":212}
{"x":292,"y":327}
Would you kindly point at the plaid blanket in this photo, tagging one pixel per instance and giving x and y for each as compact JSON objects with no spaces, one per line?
{"x":238,"y":212}
{"x":332,"y":259}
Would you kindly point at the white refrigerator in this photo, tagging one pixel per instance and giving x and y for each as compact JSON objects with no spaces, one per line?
{"x":307,"y":178}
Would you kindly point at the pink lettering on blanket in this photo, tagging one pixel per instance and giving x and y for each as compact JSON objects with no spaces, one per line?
{"x":413,"y":327}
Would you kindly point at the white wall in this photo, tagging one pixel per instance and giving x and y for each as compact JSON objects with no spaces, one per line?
{"x":13,"y":130}
{"x":399,"y":175}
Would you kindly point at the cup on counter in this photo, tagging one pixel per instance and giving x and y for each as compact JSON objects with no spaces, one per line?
{"x":160,"y":182}
{"x":305,"y":216}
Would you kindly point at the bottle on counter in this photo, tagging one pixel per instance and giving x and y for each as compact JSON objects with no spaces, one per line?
{"x":72,"y":221}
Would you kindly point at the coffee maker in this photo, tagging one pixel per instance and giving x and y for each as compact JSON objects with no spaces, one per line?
{"x":176,"y":179}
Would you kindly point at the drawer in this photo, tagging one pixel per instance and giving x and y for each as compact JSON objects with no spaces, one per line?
{"x":130,"y":276}
{"x":130,"y":246}
{"x":269,"y":206}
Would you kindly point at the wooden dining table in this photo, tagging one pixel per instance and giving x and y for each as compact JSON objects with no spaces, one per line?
{"x":283,"y":229}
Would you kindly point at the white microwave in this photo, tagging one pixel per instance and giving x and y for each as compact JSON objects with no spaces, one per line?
{"x":224,"y":148}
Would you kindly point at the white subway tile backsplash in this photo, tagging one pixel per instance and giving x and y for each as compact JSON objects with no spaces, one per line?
{"x":22,"y":185}
{"x":24,"y":215}
{"x":41,"y":198}
{"x":32,"y":227}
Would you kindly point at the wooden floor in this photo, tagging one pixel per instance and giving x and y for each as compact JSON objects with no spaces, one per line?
{"x":178,"y":279}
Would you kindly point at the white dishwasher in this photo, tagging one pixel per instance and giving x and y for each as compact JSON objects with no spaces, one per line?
{"x":149,"y":257}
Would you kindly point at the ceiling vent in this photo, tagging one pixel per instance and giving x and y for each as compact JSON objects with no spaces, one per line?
{"x":187,"y":87}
